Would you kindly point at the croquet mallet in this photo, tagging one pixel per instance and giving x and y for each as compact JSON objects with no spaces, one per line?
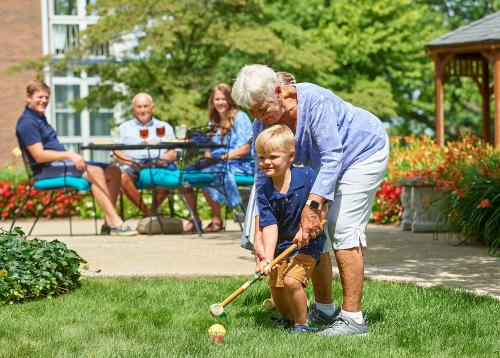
{"x":217,"y":309}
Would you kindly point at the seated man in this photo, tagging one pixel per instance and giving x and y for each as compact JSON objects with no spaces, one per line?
{"x":142,"y":128}
{"x":49,"y":159}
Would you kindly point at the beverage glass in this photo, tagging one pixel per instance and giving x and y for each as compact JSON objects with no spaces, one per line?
{"x":180,"y":132}
{"x":160,"y":131}
{"x":143,"y":132}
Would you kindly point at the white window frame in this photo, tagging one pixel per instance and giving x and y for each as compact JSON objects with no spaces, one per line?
{"x":83,"y":21}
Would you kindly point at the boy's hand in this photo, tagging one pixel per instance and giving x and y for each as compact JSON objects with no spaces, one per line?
{"x":298,"y":238}
{"x":260,"y":257}
{"x":263,"y":268}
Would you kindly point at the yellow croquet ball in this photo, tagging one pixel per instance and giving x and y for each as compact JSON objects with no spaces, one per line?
{"x":216,"y":333}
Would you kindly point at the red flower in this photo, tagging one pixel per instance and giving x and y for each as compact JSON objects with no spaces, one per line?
{"x":483,"y":204}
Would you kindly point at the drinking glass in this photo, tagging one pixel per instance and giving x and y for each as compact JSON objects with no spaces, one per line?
{"x":144,"y":132}
{"x":180,"y":132}
{"x":160,"y":132}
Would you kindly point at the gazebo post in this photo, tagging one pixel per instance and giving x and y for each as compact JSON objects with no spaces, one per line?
{"x":463,"y":46}
{"x":496,"y":91}
{"x":439,"y":83}
{"x":485,"y":95}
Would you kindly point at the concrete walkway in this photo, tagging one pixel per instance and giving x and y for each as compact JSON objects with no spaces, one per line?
{"x":392,"y":255}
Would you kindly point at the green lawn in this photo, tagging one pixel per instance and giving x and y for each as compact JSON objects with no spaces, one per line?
{"x":169,"y":317}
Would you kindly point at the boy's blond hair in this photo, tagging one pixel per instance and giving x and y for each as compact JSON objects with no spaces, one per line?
{"x":276,"y":138}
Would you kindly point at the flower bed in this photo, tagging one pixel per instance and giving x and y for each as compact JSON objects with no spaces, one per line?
{"x":13,"y":196}
{"x":466,"y":172}
{"x":65,"y":204}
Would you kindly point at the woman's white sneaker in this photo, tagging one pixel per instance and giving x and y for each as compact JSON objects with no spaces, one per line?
{"x":345,"y":326}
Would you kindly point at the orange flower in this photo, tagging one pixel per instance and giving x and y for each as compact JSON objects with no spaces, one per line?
{"x":483,"y":204}
{"x":461,"y":193}
{"x":454,"y":215}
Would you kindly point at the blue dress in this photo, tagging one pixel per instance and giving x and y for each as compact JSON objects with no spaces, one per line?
{"x":239,"y":135}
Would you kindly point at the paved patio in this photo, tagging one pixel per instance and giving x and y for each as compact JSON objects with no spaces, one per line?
{"x":392,"y":255}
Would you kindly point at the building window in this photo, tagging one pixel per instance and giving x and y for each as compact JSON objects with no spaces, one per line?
{"x":100,"y":123}
{"x":64,"y":37}
{"x":65,"y":7}
{"x":67,"y":20}
{"x":68,"y":122}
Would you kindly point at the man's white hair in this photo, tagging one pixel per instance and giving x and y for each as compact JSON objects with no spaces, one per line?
{"x":254,"y":84}
{"x":142,"y":94}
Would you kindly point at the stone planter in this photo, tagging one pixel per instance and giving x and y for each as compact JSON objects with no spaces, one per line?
{"x":427,"y":216}
{"x":407,"y":217}
{"x":421,"y":207}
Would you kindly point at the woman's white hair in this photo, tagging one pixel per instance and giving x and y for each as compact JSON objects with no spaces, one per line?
{"x":254,"y":84}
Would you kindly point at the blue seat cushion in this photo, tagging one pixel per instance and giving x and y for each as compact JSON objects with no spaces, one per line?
{"x":81,"y":184}
{"x":196,"y":178}
{"x":242,"y":179}
{"x":165,"y":178}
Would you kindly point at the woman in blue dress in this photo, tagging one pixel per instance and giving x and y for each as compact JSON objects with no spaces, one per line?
{"x":223,"y":112}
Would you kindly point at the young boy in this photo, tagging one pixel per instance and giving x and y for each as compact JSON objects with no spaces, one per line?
{"x":281,"y":200}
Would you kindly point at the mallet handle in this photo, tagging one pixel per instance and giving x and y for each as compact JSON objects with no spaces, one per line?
{"x":256,"y":277}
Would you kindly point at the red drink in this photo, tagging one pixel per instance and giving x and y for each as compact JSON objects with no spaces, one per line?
{"x":160,"y":131}
{"x":143,"y":132}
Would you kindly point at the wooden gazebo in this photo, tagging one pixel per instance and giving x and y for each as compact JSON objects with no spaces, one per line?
{"x":470,"y":51}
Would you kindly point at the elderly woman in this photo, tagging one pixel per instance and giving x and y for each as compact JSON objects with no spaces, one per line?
{"x":349,"y":149}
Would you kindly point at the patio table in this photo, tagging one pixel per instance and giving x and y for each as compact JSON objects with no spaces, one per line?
{"x":186,"y":145}
{"x":152,"y":146}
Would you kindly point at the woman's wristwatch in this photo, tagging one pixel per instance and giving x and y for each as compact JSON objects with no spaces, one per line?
{"x":313,"y":204}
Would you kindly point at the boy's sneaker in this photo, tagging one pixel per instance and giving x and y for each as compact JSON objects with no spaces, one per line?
{"x":344,"y":327}
{"x":319,"y":318}
{"x":282,"y":322}
{"x":303,"y":329}
{"x":122,"y":230}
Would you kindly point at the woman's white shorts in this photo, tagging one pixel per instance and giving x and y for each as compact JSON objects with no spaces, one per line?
{"x":350,"y":211}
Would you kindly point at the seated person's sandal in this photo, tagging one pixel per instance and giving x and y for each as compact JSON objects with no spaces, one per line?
{"x":213,"y":227}
{"x":189,"y":228}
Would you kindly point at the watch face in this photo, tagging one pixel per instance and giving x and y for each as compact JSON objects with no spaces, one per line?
{"x":314,"y":205}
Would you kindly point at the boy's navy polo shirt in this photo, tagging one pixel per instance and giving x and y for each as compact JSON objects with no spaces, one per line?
{"x":285,"y":210}
{"x":32,"y":128}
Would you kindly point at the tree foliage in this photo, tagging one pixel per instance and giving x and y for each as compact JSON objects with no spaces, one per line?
{"x":370,"y":52}
{"x":182,"y":49}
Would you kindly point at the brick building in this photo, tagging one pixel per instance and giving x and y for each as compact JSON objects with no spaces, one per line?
{"x":20,"y":39}
{"x":30,"y":29}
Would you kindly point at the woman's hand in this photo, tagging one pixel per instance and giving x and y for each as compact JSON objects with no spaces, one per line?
{"x":310,"y":223}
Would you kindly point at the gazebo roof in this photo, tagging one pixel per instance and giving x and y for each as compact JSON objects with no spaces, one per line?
{"x":485,"y":30}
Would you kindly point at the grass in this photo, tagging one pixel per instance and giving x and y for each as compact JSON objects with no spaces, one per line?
{"x":169,"y":318}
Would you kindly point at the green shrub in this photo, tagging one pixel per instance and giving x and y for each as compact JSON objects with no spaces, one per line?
{"x":14,"y":175}
{"x":31,"y":269}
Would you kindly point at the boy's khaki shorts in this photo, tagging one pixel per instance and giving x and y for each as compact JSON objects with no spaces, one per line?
{"x":299,"y":267}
